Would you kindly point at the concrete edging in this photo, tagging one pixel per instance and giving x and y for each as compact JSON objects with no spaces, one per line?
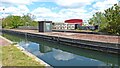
{"x":29,"y":54}
{"x":6,"y":39}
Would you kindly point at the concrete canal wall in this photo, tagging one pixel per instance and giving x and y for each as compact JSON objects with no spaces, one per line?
{"x":27,"y":53}
{"x":104,"y":46}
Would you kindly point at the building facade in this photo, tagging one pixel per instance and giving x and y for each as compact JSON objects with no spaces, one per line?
{"x":68,"y":24}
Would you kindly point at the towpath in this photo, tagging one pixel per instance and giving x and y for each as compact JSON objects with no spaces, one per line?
{"x":4,"y":41}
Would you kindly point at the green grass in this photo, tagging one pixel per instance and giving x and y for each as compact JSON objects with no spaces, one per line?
{"x":11,"y":56}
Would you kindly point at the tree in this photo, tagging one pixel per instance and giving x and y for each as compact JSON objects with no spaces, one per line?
{"x":11,"y":22}
{"x":15,"y":21}
{"x":28,"y":19}
{"x":113,"y":19}
{"x":97,"y":19}
{"x":109,"y":21}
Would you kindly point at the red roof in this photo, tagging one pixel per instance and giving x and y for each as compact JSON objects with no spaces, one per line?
{"x":78,"y":21}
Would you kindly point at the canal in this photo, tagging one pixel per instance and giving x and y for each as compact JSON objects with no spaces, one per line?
{"x":57,"y":54}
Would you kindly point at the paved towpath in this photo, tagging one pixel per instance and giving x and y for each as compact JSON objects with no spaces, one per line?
{"x":80,"y":36}
{"x":4,"y":41}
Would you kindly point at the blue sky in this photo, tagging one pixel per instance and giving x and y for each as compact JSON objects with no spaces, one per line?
{"x":55,"y":10}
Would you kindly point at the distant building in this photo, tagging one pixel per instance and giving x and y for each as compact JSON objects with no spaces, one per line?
{"x":68,"y":24}
{"x":45,"y":26}
{"x":73,"y":23}
{"x":58,"y":25}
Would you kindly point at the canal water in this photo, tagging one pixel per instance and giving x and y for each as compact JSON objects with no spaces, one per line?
{"x":57,"y":54}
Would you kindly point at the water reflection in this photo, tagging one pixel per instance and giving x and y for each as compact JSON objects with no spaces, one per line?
{"x":44,"y":49}
{"x":32,"y":47}
{"x":61,"y":55}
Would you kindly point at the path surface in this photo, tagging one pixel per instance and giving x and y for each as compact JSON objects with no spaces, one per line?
{"x":79,"y":36}
{"x":4,"y":41}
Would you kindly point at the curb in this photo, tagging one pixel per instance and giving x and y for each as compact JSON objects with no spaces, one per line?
{"x":6,"y":39}
{"x":32,"y":56}
{"x":29,"y":54}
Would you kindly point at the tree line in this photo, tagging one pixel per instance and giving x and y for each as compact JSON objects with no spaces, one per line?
{"x":107,"y":21}
{"x":16,"y":21}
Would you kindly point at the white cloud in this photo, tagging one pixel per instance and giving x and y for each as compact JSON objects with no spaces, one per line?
{"x":78,"y":13}
{"x":111,"y":2}
{"x":63,"y":3}
{"x":1,"y":9}
{"x":16,"y":1}
{"x":17,"y":11}
{"x":102,"y":5}
{"x":41,"y":10}
{"x":11,"y":10}
{"x":73,"y":3}
{"x":23,"y":2}
{"x":45,"y":13}
{"x":74,"y":8}
{"x":23,"y":9}
{"x":19,"y":2}
{"x":64,"y":56}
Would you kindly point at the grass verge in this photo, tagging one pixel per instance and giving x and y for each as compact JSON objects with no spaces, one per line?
{"x":11,"y":56}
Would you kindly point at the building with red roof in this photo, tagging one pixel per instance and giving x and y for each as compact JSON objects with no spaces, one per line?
{"x":69,"y":24}
{"x":74,"y":21}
